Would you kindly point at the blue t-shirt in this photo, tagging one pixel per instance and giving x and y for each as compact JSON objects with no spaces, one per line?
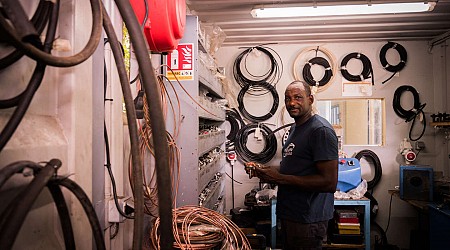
{"x":313,"y":141}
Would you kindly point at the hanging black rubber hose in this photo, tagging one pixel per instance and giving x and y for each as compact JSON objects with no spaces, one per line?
{"x":89,"y":210}
{"x":308,"y":77}
{"x":138,"y":193}
{"x":56,"y":61}
{"x":236,"y":123}
{"x":270,"y":146}
{"x":152,"y":93}
{"x":25,"y":30}
{"x":16,"y":167}
{"x":15,"y":213}
{"x":39,"y":20}
{"x":272,"y":76}
{"x":409,"y":115}
{"x":249,"y":88}
{"x":373,"y":158}
{"x":386,"y":65}
{"x":64,"y":216}
{"x":12,"y":218}
{"x":366,"y":73}
{"x":33,"y":85}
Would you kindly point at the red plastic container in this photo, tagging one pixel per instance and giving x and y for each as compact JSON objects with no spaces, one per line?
{"x":165,"y":23}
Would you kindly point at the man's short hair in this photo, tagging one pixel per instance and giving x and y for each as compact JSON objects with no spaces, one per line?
{"x":305,"y":85}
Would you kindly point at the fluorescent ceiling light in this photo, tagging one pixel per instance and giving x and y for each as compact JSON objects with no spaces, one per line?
{"x":336,"y":10}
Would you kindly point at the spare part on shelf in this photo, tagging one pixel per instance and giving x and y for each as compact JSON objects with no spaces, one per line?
{"x":163,"y":22}
{"x":366,"y":73}
{"x":389,"y":67}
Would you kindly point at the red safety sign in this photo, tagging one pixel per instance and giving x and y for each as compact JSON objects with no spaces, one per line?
{"x":181,"y":61}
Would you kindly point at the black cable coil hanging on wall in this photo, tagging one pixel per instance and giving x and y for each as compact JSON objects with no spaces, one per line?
{"x":308,"y":77}
{"x":366,"y":73}
{"x":270,"y":146}
{"x":236,"y":123}
{"x":273,"y":75}
{"x":386,"y":65}
{"x":409,"y":115}
{"x":248,"y":89}
{"x":368,"y":154}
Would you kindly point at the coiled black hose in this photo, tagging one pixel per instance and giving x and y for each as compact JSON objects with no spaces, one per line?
{"x":19,"y":20}
{"x":236,"y":123}
{"x":386,"y":65}
{"x":39,"y":20}
{"x":14,"y":215}
{"x":249,"y":88}
{"x":270,"y":146}
{"x":64,"y":216}
{"x":89,"y":210}
{"x":308,"y":77}
{"x":409,"y":115}
{"x":366,"y":73}
{"x":33,"y":85}
{"x":49,"y":59}
{"x":370,"y":155}
{"x":272,"y":76}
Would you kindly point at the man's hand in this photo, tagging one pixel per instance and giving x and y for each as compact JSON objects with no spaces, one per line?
{"x":268,"y":174}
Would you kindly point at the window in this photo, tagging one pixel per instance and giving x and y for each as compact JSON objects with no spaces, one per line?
{"x":357,"y":121}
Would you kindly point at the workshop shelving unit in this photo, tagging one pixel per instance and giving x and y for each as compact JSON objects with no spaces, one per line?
{"x":195,"y":181}
{"x":365,"y":203}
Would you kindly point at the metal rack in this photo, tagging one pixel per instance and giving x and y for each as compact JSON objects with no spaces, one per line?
{"x":198,"y":185}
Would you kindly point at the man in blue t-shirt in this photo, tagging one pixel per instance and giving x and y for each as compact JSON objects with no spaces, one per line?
{"x":307,"y":175}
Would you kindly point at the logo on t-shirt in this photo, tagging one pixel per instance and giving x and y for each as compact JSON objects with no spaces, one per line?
{"x":288,"y":150}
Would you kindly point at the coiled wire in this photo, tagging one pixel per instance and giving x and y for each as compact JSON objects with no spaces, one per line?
{"x":328,"y":56}
{"x":270,"y":147}
{"x":409,"y":115}
{"x":368,"y":154}
{"x":236,"y":123}
{"x":308,"y":77}
{"x":272,"y":76}
{"x":386,"y":65}
{"x":367,"y":70}
{"x":257,"y":87}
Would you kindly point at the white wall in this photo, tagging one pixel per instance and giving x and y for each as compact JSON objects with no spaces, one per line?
{"x":417,"y":73}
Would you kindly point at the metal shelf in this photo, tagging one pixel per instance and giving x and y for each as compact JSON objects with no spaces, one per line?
{"x":210,"y":141}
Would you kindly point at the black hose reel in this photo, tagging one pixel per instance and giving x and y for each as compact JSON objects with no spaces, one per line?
{"x":366,"y":73}
{"x":308,"y":77}
{"x":389,"y":67}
